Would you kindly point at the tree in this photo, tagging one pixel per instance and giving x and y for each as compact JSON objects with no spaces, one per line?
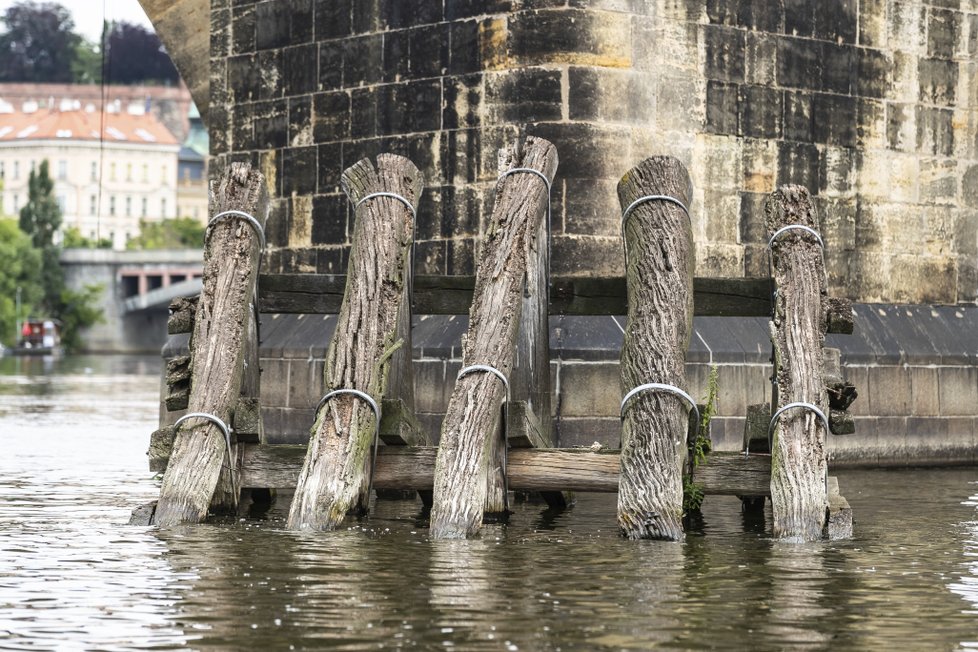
{"x":179,"y":233}
{"x":86,"y":67}
{"x":40,"y":218}
{"x":39,"y":44}
{"x":20,"y":260}
{"x":135,"y":55}
{"x":73,"y":239}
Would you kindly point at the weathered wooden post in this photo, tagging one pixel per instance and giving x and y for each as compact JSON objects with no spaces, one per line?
{"x":798,"y":464}
{"x":469,"y":443}
{"x":337,"y":468}
{"x":203,"y":464}
{"x":655,"y":196}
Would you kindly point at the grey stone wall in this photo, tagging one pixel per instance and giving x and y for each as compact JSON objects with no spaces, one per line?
{"x":916,"y":370}
{"x":872,"y":104}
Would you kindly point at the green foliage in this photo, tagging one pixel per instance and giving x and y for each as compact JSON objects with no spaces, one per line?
{"x":40,"y":217}
{"x":77,"y":310}
{"x":700,"y":445}
{"x":20,"y":262}
{"x":179,"y":233}
{"x":39,"y":220}
{"x":38,"y":44}
{"x":73,"y":239}
{"x":86,"y":65}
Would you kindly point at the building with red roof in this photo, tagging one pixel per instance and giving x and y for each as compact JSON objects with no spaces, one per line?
{"x":110,"y":168}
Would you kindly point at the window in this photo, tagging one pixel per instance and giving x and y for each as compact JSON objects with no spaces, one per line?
{"x":94,"y":173}
{"x":145,"y":173}
{"x":62,"y":170}
{"x":128,"y":206}
{"x":16,"y":203}
{"x":2,"y":171}
{"x":62,"y":204}
{"x":112,"y":205}
{"x":16,"y":169}
{"x":163,"y":208}
{"x":143,"y":208}
{"x":111,"y":171}
{"x":92,"y":204}
{"x":128,"y":171}
{"x":165,"y":177}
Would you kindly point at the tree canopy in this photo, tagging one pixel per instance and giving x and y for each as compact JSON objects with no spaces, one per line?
{"x":40,"y":44}
{"x":179,"y":233}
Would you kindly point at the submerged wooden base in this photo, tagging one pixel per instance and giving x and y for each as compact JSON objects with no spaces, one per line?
{"x":529,"y":469}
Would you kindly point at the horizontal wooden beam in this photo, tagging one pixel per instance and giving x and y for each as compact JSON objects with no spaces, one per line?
{"x":529,"y":469}
{"x":452,"y":295}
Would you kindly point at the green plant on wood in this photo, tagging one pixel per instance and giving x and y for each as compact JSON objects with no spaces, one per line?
{"x":699,"y":444}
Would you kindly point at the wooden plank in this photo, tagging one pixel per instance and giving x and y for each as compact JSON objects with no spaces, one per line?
{"x":452,"y":295}
{"x":523,"y":429}
{"x":335,"y":473}
{"x":798,"y":495}
{"x":659,"y":262}
{"x":529,"y":469}
{"x":198,"y":477}
{"x":469,"y":476}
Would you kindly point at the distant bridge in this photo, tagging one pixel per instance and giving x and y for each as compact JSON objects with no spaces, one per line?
{"x":137,"y":289}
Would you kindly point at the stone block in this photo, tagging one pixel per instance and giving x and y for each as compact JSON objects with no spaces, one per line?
{"x":722,"y":209}
{"x":570,"y":36}
{"x":873,"y":73}
{"x":938,"y":79}
{"x":935,"y":133}
{"x":722,"y":107}
{"x":334,"y":19}
{"x":958,"y":390}
{"x":306,"y":384}
{"x":760,"y":58}
{"x":591,"y":199}
{"x":943,"y":31}
{"x":861,"y":446}
{"x":523,"y":95}
{"x":834,"y":119}
{"x":798,"y":115}
{"x":924,"y":392}
{"x":589,"y":390}
{"x":889,"y":390}
{"x":859,"y":376}
{"x":838,"y":65}
{"x":584,"y":432}
{"x":275,"y":382}
{"x":836,"y":172}
{"x":799,"y":17}
{"x":723,"y":48}
{"x":906,"y":26}
{"x":752,"y":228}
{"x":799,"y":63}
{"x":760,"y":112}
{"x":760,"y":163}
{"x":836,"y":20}
{"x":287,"y":425}
{"x":719,"y":259}
{"x":939,"y":181}
{"x":798,"y":164}
{"x":872,"y":23}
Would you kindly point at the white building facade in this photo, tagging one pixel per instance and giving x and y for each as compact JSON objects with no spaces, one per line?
{"x":110,"y":169}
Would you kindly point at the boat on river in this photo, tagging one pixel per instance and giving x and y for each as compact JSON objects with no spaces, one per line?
{"x":39,"y":337}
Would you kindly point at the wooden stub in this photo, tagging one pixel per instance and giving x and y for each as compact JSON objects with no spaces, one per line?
{"x":839,"y":316}
{"x":841,"y":423}
{"x":181,"y":319}
{"x":177,"y":383}
{"x":335,"y":475}
{"x":160,"y":448}
{"x":798,"y":494}
{"x":469,"y":443}
{"x":839,"y":525}
{"x":755,"y":428}
{"x":659,"y":272}
{"x":399,"y":426}
{"x":530,"y":469}
{"x":199,"y":469}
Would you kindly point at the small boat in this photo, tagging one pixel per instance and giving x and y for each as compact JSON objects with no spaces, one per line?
{"x":39,"y":337}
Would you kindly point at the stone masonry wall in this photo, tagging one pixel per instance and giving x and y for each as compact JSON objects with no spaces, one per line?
{"x":873,"y":104}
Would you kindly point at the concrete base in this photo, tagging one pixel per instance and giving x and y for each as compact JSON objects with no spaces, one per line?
{"x":914,"y":368}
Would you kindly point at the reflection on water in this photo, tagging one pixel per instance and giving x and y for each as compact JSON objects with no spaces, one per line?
{"x":74,"y":576}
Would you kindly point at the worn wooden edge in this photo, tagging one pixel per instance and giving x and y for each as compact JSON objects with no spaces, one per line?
{"x":523,"y":428}
{"x":400,"y":427}
{"x":452,"y":295}
{"x":529,"y":469}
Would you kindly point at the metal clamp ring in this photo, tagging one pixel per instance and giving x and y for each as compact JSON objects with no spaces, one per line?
{"x":647,"y":198}
{"x":798,"y":404}
{"x":376,"y":408}
{"x":225,"y":428}
{"x":796,"y":227}
{"x":501,"y":376}
{"x":255,"y":226}
{"x":660,"y":387}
